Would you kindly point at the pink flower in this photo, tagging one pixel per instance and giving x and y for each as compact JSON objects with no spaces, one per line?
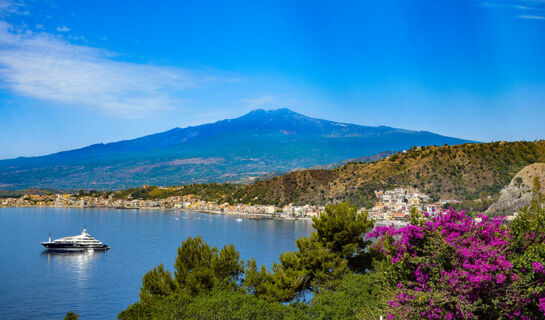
{"x":538,"y":267}
{"x":541,"y":305}
{"x":453,"y":253}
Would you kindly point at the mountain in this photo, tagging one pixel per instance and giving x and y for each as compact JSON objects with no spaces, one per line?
{"x":518,"y":193}
{"x":234,"y":150}
{"x":468,"y":171}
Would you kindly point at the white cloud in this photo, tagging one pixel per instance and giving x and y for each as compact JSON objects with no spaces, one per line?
{"x":524,"y":9}
{"x":505,"y":5}
{"x":9,"y":7}
{"x":531,"y":17}
{"x":48,"y":68}
{"x":63,"y":29}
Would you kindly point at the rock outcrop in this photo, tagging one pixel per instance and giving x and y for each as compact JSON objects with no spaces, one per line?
{"x":518,"y":193}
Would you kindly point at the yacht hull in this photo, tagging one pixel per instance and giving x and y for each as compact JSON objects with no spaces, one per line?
{"x":51,"y":246}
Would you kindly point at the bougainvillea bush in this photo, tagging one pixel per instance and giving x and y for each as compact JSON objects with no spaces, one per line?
{"x":451,"y":266}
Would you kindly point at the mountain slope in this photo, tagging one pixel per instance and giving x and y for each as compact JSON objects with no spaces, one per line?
{"x":260,"y":142}
{"x":460,"y":171}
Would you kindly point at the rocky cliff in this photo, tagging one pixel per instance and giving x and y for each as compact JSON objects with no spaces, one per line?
{"x":518,"y":193}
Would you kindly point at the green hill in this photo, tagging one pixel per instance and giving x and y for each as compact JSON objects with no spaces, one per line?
{"x":466,"y":171}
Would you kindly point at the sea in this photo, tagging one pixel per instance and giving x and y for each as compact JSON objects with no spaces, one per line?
{"x":35,"y":284}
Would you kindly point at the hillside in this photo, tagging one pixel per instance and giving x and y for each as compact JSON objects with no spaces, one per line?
{"x":465,"y":171}
{"x":234,"y":150}
{"x":518,"y":193}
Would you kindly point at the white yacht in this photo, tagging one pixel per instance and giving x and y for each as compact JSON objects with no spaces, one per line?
{"x":81,"y":242}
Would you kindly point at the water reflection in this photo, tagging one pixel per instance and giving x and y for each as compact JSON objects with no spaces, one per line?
{"x":77,"y":258}
{"x":75,"y":265}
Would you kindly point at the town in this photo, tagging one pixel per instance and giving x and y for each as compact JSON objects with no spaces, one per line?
{"x":391,"y":206}
{"x":396,"y":204}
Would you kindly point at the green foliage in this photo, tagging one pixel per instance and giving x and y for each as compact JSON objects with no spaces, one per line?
{"x":198,"y":267}
{"x":237,"y":305}
{"x":528,"y":248}
{"x":529,"y":222}
{"x":360,"y":296}
{"x":320,"y":262}
{"x":218,"y":304}
{"x":157,"y":282}
{"x":92,"y":193}
{"x":416,"y":218}
{"x":20,"y":193}
{"x":71,"y":315}
{"x":216,"y":192}
{"x":341,"y":230}
{"x":476,"y":206}
{"x":259,"y":282}
{"x":287,"y":280}
{"x":537,"y":197}
{"x":323,"y":267}
{"x":208,"y":283}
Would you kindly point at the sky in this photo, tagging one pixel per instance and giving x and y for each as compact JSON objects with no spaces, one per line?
{"x":75,"y":73}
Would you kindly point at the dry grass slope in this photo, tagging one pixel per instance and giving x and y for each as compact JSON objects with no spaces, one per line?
{"x":464,"y":171}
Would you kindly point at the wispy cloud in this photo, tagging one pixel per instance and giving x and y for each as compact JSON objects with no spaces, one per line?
{"x":9,"y":7}
{"x":505,"y":5}
{"x":269,"y":101}
{"x":47,"y":67}
{"x":63,"y":29}
{"x":522,"y":9}
{"x":531,"y":17}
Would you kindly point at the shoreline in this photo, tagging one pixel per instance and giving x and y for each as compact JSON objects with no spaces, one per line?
{"x":247,"y":215}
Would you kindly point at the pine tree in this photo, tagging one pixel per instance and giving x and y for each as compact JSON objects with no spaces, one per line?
{"x":71,"y":315}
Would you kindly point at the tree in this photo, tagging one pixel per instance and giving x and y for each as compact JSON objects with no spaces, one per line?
{"x":341,"y":229}
{"x":219,"y":304}
{"x":359,"y":296}
{"x":237,"y":305}
{"x":321,"y":260}
{"x":324,"y":269}
{"x":203,"y":273}
{"x":416,"y":218}
{"x":527,"y":253}
{"x":157,"y":282}
{"x":71,"y":315}
{"x":198,"y":267}
{"x":257,"y":282}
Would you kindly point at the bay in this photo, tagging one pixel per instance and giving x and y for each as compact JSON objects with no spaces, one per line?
{"x":98,"y":285}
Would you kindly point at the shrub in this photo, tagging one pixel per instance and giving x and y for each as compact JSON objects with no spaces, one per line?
{"x":452,"y":267}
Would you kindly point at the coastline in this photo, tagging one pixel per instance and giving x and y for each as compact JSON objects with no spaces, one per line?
{"x":247,"y":215}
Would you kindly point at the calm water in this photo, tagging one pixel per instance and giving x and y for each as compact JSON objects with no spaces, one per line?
{"x":38,"y":285}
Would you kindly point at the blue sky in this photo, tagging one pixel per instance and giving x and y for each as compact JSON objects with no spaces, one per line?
{"x":74,"y":73}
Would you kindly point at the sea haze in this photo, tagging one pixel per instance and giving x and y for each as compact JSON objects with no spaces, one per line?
{"x":40,"y":285}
